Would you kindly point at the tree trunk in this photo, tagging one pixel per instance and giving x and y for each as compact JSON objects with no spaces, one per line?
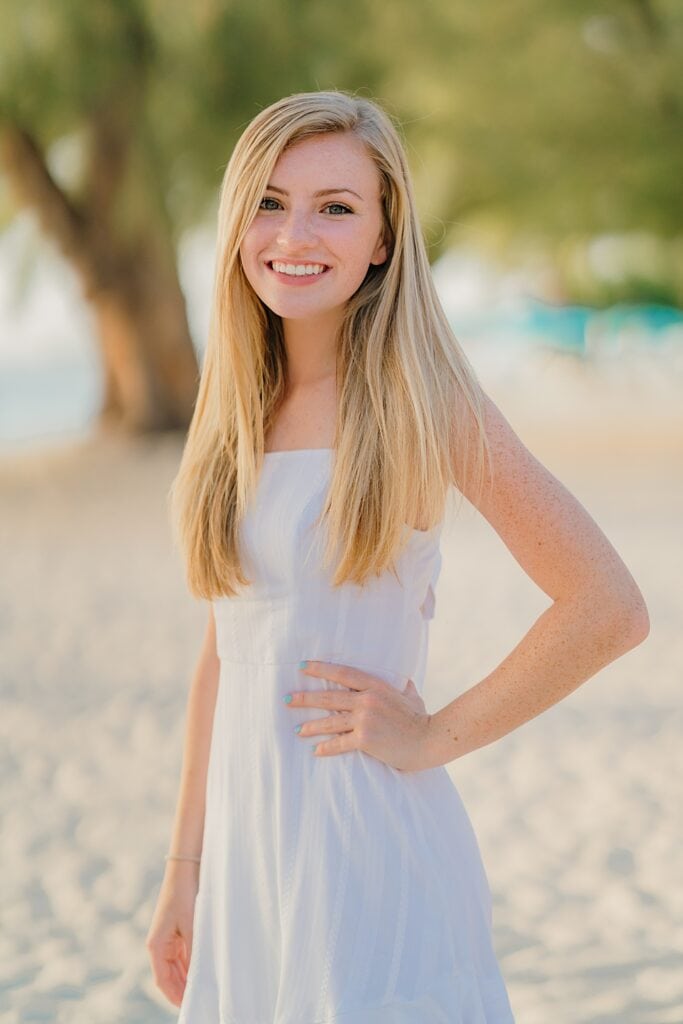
{"x":150,"y":367}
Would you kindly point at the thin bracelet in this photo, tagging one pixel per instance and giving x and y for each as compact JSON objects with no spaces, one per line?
{"x":173,"y":856}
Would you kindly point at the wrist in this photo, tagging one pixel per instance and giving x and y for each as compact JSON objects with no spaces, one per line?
{"x":181,"y":872}
{"x":182,"y":861}
{"x":429,"y":747}
{"x":434,"y":743}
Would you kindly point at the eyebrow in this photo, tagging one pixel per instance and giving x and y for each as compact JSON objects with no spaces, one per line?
{"x":321,"y":192}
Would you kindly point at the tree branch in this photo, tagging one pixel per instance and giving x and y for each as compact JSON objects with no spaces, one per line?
{"x":80,"y":236}
{"x":24,"y":163}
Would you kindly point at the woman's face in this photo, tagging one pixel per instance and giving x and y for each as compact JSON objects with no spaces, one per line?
{"x":321,"y":208}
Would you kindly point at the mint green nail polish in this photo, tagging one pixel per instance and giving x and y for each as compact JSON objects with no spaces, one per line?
{"x":287,"y":698}
{"x":303,"y":664}
{"x":315,"y":748}
{"x":297,"y":728}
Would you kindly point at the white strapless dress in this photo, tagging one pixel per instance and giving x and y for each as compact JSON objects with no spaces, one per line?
{"x":332,"y":890}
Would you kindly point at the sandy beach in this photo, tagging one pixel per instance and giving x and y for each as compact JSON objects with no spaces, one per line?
{"x":577,"y":812}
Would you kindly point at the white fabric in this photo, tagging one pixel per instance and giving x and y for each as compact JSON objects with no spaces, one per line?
{"x":332,"y":890}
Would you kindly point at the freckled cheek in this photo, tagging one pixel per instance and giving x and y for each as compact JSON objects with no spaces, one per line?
{"x":253,"y":244}
{"x":252,"y":264}
{"x":248,"y":268}
{"x":245,"y":258}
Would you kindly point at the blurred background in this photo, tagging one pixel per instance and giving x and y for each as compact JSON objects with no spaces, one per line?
{"x":546,"y":145}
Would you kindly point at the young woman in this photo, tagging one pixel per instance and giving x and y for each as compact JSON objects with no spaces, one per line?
{"x":322,"y":868}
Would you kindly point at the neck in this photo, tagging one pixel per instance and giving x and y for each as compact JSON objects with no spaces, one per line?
{"x":311,"y":347}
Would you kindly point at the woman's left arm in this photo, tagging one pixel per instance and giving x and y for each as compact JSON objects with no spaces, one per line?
{"x":598,"y":612}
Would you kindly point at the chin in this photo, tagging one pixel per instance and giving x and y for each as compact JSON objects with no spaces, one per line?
{"x":297,"y":310}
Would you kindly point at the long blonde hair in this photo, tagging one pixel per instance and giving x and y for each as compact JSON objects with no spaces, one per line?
{"x":410,"y":414}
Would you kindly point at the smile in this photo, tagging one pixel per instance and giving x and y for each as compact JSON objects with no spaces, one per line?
{"x":297,"y":273}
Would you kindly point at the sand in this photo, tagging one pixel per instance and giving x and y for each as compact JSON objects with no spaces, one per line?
{"x":577,"y":812}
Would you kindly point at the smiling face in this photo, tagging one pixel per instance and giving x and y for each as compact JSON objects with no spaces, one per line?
{"x":318,"y":228}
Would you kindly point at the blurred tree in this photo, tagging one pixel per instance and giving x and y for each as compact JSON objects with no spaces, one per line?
{"x":542,"y":124}
{"x":116,"y":122}
{"x":82,"y":72}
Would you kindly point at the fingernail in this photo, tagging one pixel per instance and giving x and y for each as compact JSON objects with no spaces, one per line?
{"x":297,"y":728}
{"x":303,"y":664}
{"x":287,"y":698}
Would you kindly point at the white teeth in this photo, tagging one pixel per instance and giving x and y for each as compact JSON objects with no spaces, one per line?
{"x":300,"y":270}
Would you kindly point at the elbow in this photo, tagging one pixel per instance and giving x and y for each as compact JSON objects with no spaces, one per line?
{"x":629,"y":622}
{"x":640,"y":623}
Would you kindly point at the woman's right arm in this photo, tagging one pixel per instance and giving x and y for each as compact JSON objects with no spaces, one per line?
{"x":186,"y":837}
{"x":169,"y":939}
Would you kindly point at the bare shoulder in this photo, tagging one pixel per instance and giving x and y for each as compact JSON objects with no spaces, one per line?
{"x":545,"y":527}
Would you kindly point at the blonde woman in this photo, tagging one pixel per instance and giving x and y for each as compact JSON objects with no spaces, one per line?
{"x":322,"y":868}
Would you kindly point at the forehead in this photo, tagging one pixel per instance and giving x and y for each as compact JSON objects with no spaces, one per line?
{"x":332,"y":160}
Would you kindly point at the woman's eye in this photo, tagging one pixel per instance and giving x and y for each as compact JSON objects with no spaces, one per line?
{"x":340,"y":206}
{"x":267,"y":199}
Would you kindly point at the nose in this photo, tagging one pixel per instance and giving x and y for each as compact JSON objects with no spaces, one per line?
{"x":296,"y":232}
